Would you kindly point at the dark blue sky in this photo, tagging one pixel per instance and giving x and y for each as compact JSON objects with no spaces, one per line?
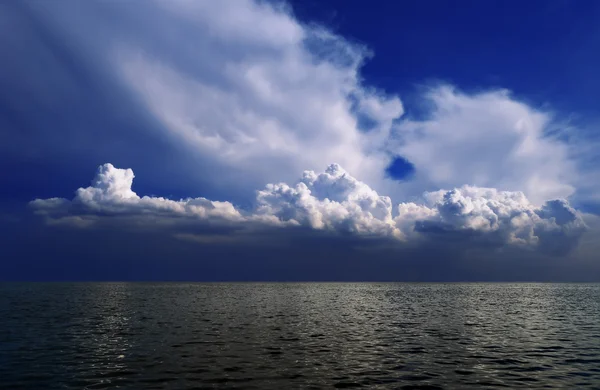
{"x":544,"y":51}
{"x":69,"y":103}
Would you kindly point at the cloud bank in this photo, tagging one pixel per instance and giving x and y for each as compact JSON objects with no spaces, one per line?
{"x":337,"y":202}
{"x":241,"y":93}
{"x":223,"y":98}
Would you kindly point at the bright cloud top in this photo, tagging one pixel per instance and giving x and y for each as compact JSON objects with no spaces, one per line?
{"x":335,"y":201}
{"x":487,"y":139}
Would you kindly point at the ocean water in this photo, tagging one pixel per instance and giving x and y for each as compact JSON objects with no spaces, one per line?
{"x":304,"y":335}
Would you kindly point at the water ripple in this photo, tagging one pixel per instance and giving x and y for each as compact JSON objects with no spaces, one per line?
{"x":273,"y":336}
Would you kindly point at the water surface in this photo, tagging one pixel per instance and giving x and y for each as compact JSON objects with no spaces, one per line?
{"x":305,"y":335}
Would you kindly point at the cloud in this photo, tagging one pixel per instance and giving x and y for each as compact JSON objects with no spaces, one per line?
{"x":267,"y":105}
{"x":234,"y":95}
{"x":111,"y":194}
{"x":487,"y":139}
{"x":223,"y":98}
{"x":334,"y":201}
{"x":269,"y":101}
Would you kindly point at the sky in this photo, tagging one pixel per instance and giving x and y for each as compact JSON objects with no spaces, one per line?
{"x":250,"y":140}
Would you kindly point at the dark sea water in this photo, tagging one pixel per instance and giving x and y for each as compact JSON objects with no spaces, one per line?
{"x":278,"y":336}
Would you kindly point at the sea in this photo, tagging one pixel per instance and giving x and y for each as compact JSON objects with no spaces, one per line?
{"x":299,"y":336}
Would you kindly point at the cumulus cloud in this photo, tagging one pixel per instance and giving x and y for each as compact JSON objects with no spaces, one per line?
{"x":337,"y":202}
{"x":110,"y":193}
{"x":487,"y":139}
{"x":329,"y":200}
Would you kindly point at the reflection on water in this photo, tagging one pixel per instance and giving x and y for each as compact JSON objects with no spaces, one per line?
{"x":299,"y":335}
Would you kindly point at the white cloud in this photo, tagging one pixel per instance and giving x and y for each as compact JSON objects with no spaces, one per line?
{"x":486,"y":139}
{"x":335,"y":201}
{"x":270,"y":102}
{"x":111,"y":193}
{"x":255,"y":96}
{"x":330,"y":200}
{"x":274,"y":97}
